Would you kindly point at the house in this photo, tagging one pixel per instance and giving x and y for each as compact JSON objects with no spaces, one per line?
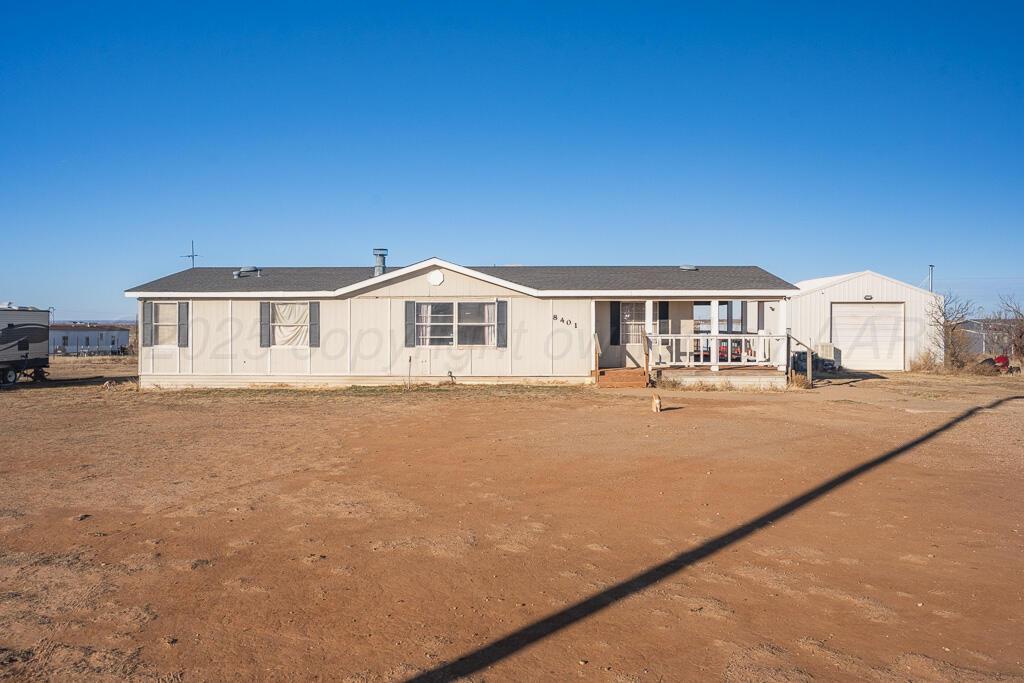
{"x":86,"y":338}
{"x":872,"y":322}
{"x":439,"y":321}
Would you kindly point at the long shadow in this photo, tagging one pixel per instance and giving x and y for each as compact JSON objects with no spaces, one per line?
{"x":95,"y":380}
{"x":518,"y":640}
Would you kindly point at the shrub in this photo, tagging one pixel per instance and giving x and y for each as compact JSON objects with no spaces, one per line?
{"x":927,"y":361}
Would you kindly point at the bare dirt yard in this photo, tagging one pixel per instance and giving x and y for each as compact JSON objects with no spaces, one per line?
{"x":865,"y":530}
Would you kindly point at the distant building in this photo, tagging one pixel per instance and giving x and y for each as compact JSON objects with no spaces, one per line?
{"x":988,"y":336}
{"x":84,"y":338}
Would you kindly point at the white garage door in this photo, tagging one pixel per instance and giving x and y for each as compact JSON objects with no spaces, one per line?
{"x":870,"y":336}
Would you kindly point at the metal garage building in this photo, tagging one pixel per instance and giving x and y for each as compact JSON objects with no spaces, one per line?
{"x":873,"y":321}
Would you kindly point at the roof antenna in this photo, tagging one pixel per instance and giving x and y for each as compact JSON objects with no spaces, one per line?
{"x":192,"y":255}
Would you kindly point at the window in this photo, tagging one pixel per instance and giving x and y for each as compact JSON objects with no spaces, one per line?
{"x":289,"y":324}
{"x":438,"y":325}
{"x":730,"y":316}
{"x":435,"y":324}
{"x":476,"y":323}
{"x":631,"y":322}
{"x":165,"y":324}
{"x":701,"y":317}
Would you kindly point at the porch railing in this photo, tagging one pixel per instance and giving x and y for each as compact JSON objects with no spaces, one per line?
{"x":693,"y":350}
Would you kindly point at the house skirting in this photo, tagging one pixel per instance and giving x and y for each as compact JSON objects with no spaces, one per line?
{"x":734,"y":378}
{"x":312,"y":381}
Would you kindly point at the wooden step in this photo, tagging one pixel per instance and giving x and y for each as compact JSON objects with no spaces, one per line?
{"x":621,"y":378}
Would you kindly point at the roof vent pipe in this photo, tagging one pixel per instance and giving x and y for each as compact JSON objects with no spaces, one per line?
{"x":380,"y":262}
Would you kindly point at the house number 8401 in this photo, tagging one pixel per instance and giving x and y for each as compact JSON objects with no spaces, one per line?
{"x":564,"y":321}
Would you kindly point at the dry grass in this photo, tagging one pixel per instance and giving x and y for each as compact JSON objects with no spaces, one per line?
{"x":372,"y":532}
{"x":927,"y":361}
{"x":798,"y":380}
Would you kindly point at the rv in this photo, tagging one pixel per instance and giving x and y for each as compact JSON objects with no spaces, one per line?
{"x":24,"y":341}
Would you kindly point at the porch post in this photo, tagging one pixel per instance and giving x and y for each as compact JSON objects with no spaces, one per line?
{"x":714,"y":335}
{"x":648,"y":331}
{"x":593,"y":335}
{"x":784,"y":329}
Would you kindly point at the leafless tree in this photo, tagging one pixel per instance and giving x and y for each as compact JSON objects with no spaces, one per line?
{"x":948,"y":317}
{"x":1011,"y":322}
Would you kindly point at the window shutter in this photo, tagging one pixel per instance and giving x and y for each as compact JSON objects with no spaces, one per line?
{"x":501,"y":332}
{"x":314,"y":324}
{"x":147,"y":323}
{"x":182,"y":324}
{"x":265,"y":324}
{"x":616,"y":313}
{"x":663,"y":326}
{"x":410,"y":324}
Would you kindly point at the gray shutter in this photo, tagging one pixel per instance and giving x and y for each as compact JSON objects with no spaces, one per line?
{"x":314,"y":324}
{"x":502,"y":326}
{"x":147,"y":323}
{"x":663,"y":326}
{"x":616,"y":312}
{"x":410,"y":324}
{"x":182,"y":324}
{"x":265,"y":324}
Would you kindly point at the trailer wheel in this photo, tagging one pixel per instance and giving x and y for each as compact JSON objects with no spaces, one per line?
{"x":8,"y":375}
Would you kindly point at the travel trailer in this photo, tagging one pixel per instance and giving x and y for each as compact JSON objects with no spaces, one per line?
{"x":24,"y":341}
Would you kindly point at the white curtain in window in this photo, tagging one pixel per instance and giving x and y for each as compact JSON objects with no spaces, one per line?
{"x":632,"y":318}
{"x":291,"y":324}
{"x":291,"y":335}
{"x":291,"y":314}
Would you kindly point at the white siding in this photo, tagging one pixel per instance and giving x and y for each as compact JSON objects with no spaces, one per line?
{"x":371,"y":332}
{"x":332,"y":357}
{"x":810,"y":313}
{"x":211,"y":337}
{"x":571,"y":341}
{"x":247,"y":357}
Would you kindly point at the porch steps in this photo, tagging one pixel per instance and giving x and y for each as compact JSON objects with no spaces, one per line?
{"x":621,"y":378}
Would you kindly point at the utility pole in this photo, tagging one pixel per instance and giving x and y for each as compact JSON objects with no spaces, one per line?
{"x":192,"y":254}
{"x":931,"y":278}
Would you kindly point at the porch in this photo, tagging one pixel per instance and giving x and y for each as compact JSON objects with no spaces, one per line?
{"x":713,"y":334}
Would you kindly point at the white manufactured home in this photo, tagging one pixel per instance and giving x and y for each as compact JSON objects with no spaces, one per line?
{"x":78,"y":338}
{"x":439,"y":321}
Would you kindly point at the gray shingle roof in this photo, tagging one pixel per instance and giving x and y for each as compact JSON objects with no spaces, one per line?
{"x":270,"y":280}
{"x":610,"y":278}
{"x":638,"y":277}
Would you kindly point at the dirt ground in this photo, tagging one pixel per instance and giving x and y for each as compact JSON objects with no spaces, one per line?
{"x":512,"y":533}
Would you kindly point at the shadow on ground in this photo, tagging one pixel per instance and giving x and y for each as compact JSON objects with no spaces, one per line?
{"x":507,"y":646}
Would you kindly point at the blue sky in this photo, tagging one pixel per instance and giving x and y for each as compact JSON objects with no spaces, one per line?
{"x":811,"y":139}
